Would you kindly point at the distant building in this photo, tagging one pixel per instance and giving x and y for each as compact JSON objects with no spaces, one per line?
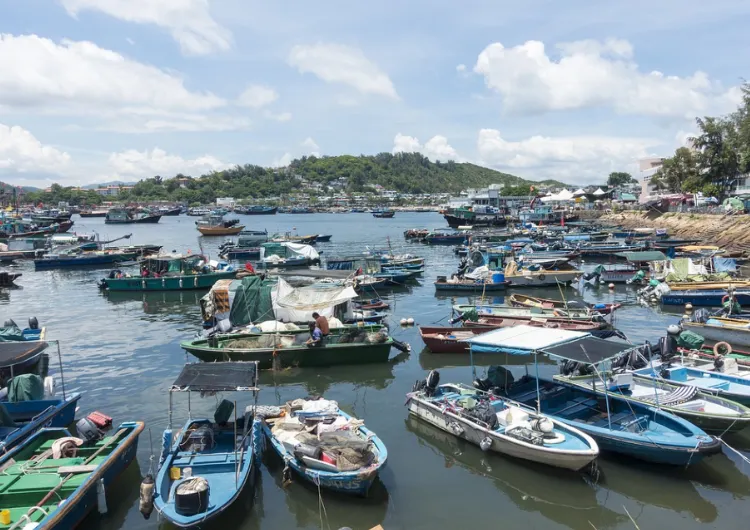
{"x":225,"y":201}
{"x":648,"y":168}
{"x":113,"y":190}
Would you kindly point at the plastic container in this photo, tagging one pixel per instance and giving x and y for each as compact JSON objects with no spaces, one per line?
{"x":5,"y":517}
{"x":174,"y":473}
{"x":498,"y":277}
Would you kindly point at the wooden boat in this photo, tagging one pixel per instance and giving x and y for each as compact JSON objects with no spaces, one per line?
{"x":447,"y":339}
{"x":373,"y":304}
{"x":368,"y":284}
{"x":501,"y":425}
{"x":205,"y":469}
{"x":471,"y":286}
{"x":708,"y":286}
{"x":712,"y":414}
{"x":348,"y":346}
{"x":123,"y":216}
{"x":541,"y":322}
{"x":326,"y":447}
{"x":732,"y":382}
{"x":722,"y":329}
{"x":492,"y":310}
{"x":43,"y":492}
{"x":169,"y":272}
{"x":522,"y":300}
{"x":220,"y":230}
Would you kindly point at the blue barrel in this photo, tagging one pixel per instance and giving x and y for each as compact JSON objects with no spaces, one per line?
{"x":498,"y":277}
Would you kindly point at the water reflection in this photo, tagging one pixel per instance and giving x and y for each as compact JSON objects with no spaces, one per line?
{"x":560,"y":496}
{"x":436,"y":361}
{"x":185,"y":303}
{"x":122,"y":494}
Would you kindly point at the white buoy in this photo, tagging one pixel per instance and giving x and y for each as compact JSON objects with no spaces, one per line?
{"x":403,"y":321}
{"x":689,"y":306}
{"x":685,"y":317}
{"x":611,"y":286}
{"x":410,"y":321}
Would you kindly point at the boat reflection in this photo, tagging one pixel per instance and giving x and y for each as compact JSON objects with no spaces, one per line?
{"x":318,"y":381}
{"x":560,"y":496}
{"x":122,"y":494}
{"x":302,"y":499}
{"x":160,"y":303}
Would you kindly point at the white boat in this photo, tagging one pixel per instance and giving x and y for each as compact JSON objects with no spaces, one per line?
{"x":500,"y":425}
{"x":716,"y":329}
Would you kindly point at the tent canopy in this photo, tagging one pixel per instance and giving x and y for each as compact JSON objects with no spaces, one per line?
{"x":599,"y":192}
{"x":217,"y":377}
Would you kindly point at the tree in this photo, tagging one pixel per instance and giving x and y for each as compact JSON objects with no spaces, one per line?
{"x":679,"y":173}
{"x":719,"y":145}
{"x":620,"y":178}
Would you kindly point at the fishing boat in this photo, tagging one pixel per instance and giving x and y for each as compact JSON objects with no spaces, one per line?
{"x":72,"y":258}
{"x":47,"y":492}
{"x":16,"y":230}
{"x":443,"y":236}
{"x":522,"y":300}
{"x":260,"y":210}
{"x":123,"y":216}
{"x":220,"y":230}
{"x":93,"y":213}
{"x":712,"y":414}
{"x":170,"y":211}
{"x":374,"y":304}
{"x":710,"y":285}
{"x":456,"y":284}
{"x":169,"y":272}
{"x":383,"y":214}
{"x":30,"y":401}
{"x":503,"y":311}
{"x":630,"y":428}
{"x":500,"y":425}
{"x":200,"y":211}
{"x":397,"y":276}
{"x":288,"y":237}
{"x":726,"y":379}
{"x":210,"y":461}
{"x":704,"y":297}
{"x":351,"y":345}
{"x":8,"y":278}
{"x":541,"y":322}
{"x":447,"y":339}
{"x":368,"y":284}
{"x":715,"y":329}
{"x":286,"y":255}
{"x":323,"y":238}
{"x":325,"y":446}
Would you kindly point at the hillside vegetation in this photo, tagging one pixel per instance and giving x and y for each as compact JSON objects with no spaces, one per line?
{"x":402,"y":172}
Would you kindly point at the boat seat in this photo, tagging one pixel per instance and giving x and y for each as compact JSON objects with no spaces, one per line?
{"x":719,"y":385}
{"x":578,"y":407}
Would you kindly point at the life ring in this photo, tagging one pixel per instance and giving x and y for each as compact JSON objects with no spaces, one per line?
{"x":725,"y":345}
{"x":554,"y":438}
{"x":723,"y":300}
{"x":542,"y":277}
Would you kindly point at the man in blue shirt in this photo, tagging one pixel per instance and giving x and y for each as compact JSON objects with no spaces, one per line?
{"x":316,"y":336}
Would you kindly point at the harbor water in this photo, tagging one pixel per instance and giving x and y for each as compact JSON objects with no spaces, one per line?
{"x":121,"y":350}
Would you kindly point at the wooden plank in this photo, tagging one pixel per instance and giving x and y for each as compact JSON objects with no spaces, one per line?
{"x":76,"y":469}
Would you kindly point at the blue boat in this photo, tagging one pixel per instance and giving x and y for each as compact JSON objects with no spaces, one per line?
{"x":209,"y":463}
{"x":705,"y":298}
{"x":632,"y":429}
{"x":395,"y":276}
{"x":323,"y":238}
{"x":318,"y":459}
{"x":728,"y":384}
{"x":25,"y":408}
{"x":76,"y":258}
{"x":46,"y":493}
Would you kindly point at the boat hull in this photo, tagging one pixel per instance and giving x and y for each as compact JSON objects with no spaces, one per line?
{"x":220,"y":230}
{"x":707,"y":298}
{"x":544,"y":278}
{"x":713,"y":334}
{"x":149,"y":219}
{"x":167,"y":283}
{"x":471,"y":287}
{"x":83,"y":261}
{"x":44,"y":413}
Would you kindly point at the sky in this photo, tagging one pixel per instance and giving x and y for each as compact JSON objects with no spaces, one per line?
{"x":105,"y":90}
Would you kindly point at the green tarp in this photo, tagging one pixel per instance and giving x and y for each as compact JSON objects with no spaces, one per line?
{"x":26,"y":387}
{"x":11,"y":334}
{"x":252,"y":302}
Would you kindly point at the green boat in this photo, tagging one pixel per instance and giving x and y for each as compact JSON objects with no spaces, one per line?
{"x":350,"y":345}
{"x":171,"y":272}
{"x":40,"y":488}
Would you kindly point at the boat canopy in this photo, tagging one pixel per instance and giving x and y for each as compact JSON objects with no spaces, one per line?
{"x":287,"y":250}
{"x":298,"y":304}
{"x":171,"y":263}
{"x":217,"y":377}
{"x":16,"y":352}
{"x":522,"y":340}
{"x":588,"y":350}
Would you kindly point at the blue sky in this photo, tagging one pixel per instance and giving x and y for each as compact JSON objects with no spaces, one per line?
{"x":99,"y":90}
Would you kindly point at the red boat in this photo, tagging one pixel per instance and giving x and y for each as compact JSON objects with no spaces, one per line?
{"x":522,"y":300}
{"x":448,"y":340}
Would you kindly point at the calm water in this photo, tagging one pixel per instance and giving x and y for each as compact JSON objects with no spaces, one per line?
{"x":122,"y":352}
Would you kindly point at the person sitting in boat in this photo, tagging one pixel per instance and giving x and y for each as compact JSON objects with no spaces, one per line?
{"x":322,"y":323}
{"x":144,"y":272}
{"x":316,"y":336}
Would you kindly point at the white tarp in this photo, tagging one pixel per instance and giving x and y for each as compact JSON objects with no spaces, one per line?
{"x":298,"y":305}
{"x":525,"y":337}
{"x":302,"y":250}
{"x":599,"y":191}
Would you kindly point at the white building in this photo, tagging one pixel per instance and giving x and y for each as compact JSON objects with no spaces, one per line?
{"x":227,"y":202}
{"x":648,"y":168}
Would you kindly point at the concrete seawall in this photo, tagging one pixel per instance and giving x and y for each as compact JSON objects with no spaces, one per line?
{"x":731,"y":232}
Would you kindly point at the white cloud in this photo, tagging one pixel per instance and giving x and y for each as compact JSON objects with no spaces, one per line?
{"x":21,"y":151}
{"x":189,"y":21}
{"x":595,"y":74}
{"x":310,"y":145}
{"x":461,"y":68}
{"x":257,"y":96}
{"x":436,"y":148}
{"x":572,"y":159}
{"x":36,"y":72}
{"x":280,"y":117}
{"x":143,"y":164}
{"x":336,"y":63}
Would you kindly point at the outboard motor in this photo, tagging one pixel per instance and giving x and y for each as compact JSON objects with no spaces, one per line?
{"x":33,"y":323}
{"x":88,"y":430}
{"x":431,"y":382}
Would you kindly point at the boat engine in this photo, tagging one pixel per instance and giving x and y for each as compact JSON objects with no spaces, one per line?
{"x":33,"y":323}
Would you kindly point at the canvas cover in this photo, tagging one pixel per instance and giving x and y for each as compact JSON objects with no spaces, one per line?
{"x":298,"y":305}
{"x":521,"y":339}
{"x":252,"y":301}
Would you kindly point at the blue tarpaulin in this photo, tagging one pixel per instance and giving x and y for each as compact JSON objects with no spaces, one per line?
{"x":725,"y":264}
